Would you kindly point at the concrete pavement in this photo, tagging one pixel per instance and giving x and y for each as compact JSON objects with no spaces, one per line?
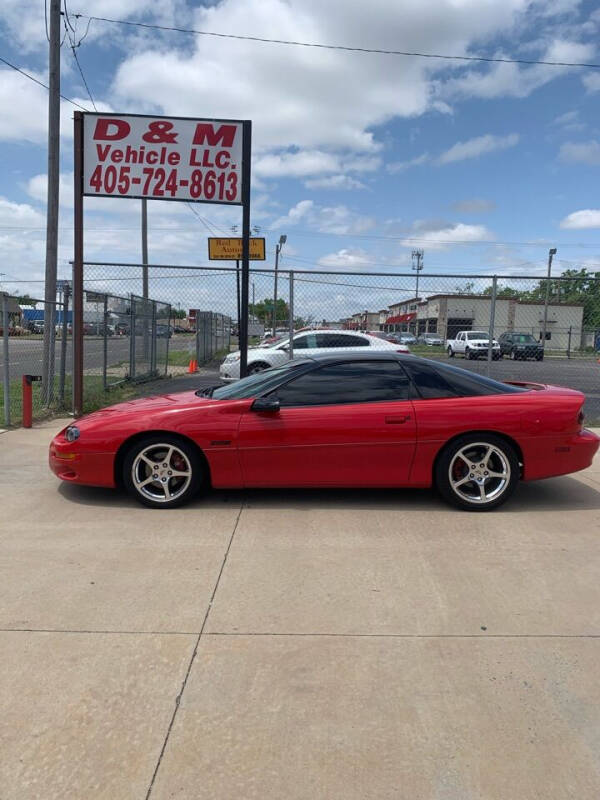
{"x":296,"y":644}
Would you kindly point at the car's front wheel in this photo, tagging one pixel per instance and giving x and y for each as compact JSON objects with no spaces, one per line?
{"x":258,"y":366}
{"x":450,"y":353}
{"x":477,"y":472}
{"x":162,"y":471}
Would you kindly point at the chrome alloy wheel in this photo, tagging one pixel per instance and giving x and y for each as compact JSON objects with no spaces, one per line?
{"x":161,"y":472}
{"x":479,"y":473}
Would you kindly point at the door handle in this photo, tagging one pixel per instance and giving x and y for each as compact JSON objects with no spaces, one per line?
{"x":397,"y":419}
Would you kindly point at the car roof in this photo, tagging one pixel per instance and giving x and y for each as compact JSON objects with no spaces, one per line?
{"x":372,"y":355}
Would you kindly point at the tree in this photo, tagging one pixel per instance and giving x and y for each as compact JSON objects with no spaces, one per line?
{"x":263,"y":311}
{"x":25,"y":300}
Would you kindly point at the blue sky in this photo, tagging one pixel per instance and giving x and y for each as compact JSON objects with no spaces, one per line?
{"x":358,"y":158}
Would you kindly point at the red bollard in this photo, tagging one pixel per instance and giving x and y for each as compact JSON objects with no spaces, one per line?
{"x":27,"y":382}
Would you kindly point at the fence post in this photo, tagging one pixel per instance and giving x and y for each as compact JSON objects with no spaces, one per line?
{"x":63,"y":346}
{"x":105,"y":345}
{"x":6,"y":368}
{"x":168,"y":340}
{"x":291,"y":315}
{"x":492,"y":324}
{"x":153,"y":340}
{"x":569,"y":342}
{"x":132,"y":338}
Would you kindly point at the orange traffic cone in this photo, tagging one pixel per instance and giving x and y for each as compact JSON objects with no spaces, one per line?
{"x":193,"y":367}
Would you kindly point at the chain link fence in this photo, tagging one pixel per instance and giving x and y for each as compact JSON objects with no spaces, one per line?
{"x":524,"y":315}
{"x":22,"y":327}
{"x":194,"y":316}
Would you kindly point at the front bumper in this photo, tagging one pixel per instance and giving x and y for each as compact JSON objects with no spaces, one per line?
{"x":229,"y":371}
{"x":70,"y":463}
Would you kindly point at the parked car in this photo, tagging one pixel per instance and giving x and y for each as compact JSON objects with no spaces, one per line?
{"x":388,"y":337}
{"x":340,"y":420}
{"x":36,"y":325}
{"x":404,"y":338}
{"x":520,"y":346}
{"x":122,"y":329}
{"x":472,"y":344}
{"x":306,"y":343}
{"x":164,"y":331}
{"x":430,"y":339}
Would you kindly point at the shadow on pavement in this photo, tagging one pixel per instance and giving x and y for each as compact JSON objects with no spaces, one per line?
{"x":556,"y":494}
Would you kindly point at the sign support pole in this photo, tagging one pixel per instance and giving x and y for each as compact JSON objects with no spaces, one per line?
{"x":78,"y":267}
{"x":246,"y":171}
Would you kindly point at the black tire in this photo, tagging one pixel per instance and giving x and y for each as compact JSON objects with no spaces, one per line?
{"x":496,"y":356}
{"x":539,"y":357}
{"x":468,"y":354}
{"x":503,"y":460}
{"x":450,"y":353}
{"x":513,"y":355}
{"x":258,"y":366}
{"x":183,"y":459}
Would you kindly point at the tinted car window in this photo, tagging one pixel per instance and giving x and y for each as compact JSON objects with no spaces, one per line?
{"x":351,"y":382}
{"x":340,"y":340}
{"x":302,"y":342}
{"x":447,"y":381}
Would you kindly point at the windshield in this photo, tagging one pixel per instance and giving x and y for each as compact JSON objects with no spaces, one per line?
{"x":524,"y":338}
{"x":254,"y":385}
{"x":477,"y":335}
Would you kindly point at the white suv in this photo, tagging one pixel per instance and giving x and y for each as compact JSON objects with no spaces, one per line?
{"x":307,"y":343}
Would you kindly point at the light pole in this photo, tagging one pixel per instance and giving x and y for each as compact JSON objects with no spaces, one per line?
{"x":417,"y":264}
{"x":551,"y":254}
{"x":278,"y":246}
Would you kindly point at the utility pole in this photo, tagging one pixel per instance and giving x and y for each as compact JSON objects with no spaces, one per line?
{"x":278,"y":246}
{"x":145,"y":290}
{"x":417,"y":264}
{"x":52,"y":200}
{"x":551,"y":254}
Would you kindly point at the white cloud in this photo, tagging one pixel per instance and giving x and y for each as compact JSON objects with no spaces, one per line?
{"x":337,"y":182}
{"x":295,"y":165}
{"x":400,"y":166}
{"x":442,"y":235}
{"x":324,"y":219}
{"x":581,"y":152}
{"x":347,"y":259}
{"x":513,"y":80}
{"x":473,"y":148}
{"x":19,"y":214}
{"x":578,"y":220}
{"x":311,"y":98}
{"x":591,"y":81}
{"x":476,"y":205}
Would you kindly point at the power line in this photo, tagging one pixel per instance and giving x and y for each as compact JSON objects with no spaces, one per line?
{"x":67,"y":23}
{"x":44,"y":85}
{"x":289,"y":42}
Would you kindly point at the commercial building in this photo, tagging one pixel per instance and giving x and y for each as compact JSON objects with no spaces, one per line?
{"x":446,"y":314}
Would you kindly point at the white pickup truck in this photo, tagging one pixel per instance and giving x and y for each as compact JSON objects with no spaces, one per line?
{"x":472,"y":344}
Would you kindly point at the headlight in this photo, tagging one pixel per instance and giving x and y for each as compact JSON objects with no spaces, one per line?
{"x":233,"y":357}
{"x":72,"y":433}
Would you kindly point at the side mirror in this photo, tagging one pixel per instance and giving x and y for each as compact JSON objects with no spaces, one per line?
{"x":266,"y":404}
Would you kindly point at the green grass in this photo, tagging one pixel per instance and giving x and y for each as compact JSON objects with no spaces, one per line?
{"x":93,"y":393}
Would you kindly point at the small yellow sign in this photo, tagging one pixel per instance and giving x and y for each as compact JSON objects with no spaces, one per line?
{"x":231,"y":249}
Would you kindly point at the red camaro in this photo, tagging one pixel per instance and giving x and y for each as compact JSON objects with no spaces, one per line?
{"x":379,"y":420}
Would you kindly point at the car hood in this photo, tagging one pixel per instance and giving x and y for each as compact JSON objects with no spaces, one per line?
{"x":148,"y":404}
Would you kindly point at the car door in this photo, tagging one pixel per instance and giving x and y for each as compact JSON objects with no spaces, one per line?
{"x":459,"y":343}
{"x":344,"y":424}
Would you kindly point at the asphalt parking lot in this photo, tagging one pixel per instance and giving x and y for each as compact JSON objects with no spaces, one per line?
{"x":299,"y":644}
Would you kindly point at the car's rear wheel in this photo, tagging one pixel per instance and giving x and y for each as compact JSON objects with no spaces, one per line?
{"x":258,"y":366}
{"x":450,"y":353}
{"x":477,"y":473}
{"x":162,"y":471}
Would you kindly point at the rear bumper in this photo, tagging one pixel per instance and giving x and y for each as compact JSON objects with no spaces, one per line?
{"x":554,"y":456}
{"x":70,"y":464}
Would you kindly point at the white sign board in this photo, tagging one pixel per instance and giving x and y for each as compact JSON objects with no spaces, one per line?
{"x":162,"y":158}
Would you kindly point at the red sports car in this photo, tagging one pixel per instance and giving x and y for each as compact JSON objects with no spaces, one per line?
{"x":378,"y":420}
